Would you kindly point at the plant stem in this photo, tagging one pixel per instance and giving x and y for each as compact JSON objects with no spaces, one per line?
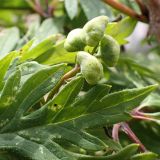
{"x":136,"y":114}
{"x":125,"y":127}
{"x":115,"y":132}
{"x":36,"y":6}
{"x":126,"y":10}
{"x":68,"y":75}
{"x":132,"y":136}
{"x":143,"y":8}
{"x":49,"y":9}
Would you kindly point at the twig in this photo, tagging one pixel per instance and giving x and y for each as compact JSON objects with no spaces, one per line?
{"x":47,"y":4}
{"x":37,"y":7}
{"x":68,"y":75}
{"x":126,"y":10}
{"x":142,"y":7}
{"x":48,"y":9}
{"x":51,"y":11}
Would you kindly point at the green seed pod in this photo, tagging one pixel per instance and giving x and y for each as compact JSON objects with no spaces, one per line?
{"x":75,"y":40}
{"x":91,"y":68}
{"x":109,"y":51}
{"x":95,"y":29}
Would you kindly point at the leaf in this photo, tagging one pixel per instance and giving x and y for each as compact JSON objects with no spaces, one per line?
{"x":39,"y":49}
{"x":26,"y":47}
{"x":27,"y":70}
{"x":47,"y":52}
{"x":9,"y":91}
{"x":48,"y":27}
{"x":64,"y":132}
{"x":102,"y":110}
{"x":124,"y":154}
{"x":26,"y":148}
{"x":100,"y":133}
{"x":7,"y":17}
{"x":57,"y":54}
{"x":35,"y":134}
{"x":145,"y":156}
{"x":71,"y":8}
{"x":9,"y":39}
{"x":36,"y":140}
{"x":126,"y":95}
{"x":121,"y":30}
{"x":68,"y":94}
{"x":98,"y":7}
{"x":41,"y":82}
{"x":33,"y":26}
{"x":13,"y":4}
{"x":152,"y":101}
{"x":64,"y":98}
{"x":82,"y":104}
{"x":39,"y":32}
{"x":4,"y":65}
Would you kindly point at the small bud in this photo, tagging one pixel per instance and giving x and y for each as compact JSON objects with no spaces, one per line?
{"x":109,"y":51}
{"x":95,"y":29}
{"x":75,"y":40}
{"x":91,"y":68}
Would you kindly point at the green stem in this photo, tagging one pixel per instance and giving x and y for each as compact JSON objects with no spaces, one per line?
{"x":94,"y":49}
{"x":68,"y":75}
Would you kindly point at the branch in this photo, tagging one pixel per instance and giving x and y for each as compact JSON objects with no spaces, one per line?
{"x":126,"y":10}
{"x":36,"y":6}
{"x":143,"y":8}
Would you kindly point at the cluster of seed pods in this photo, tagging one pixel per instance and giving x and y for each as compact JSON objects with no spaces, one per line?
{"x":93,"y":35}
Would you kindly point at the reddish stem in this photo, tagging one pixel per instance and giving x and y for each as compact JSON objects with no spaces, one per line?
{"x":126,"y":10}
{"x":140,"y":115}
{"x":125,"y":127}
{"x":132,"y":136}
{"x":115,"y":132}
{"x":37,"y":7}
{"x":142,"y":7}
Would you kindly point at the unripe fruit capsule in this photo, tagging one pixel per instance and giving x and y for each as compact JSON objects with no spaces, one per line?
{"x":75,"y":40}
{"x":109,"y":51}
{"x":91,"y":68}
{"x":95,"y":29}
